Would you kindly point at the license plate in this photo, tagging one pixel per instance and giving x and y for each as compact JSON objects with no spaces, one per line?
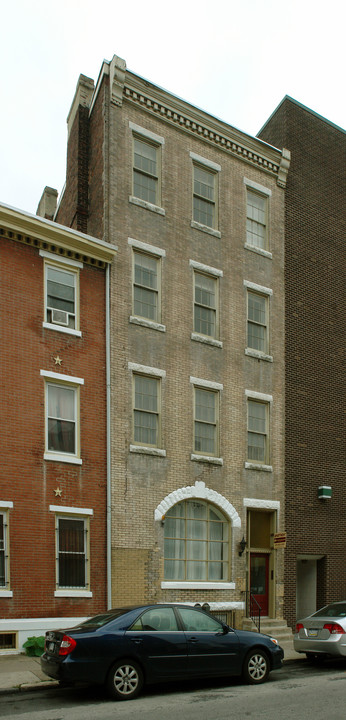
{"x":312,"y":632}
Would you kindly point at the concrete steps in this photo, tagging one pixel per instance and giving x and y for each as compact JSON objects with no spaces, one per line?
{"x":270,"y":626}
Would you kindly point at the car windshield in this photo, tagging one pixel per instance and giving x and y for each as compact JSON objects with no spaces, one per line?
{"x":332,"y":610}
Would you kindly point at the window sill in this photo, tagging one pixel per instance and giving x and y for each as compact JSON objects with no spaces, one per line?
{"x":143,"y":450}
{"x":61,"y":328}
{"x":73,"y":593}
{"x":259,"y":251}
{"x":205,"y":340}
{"x":205,"y":228}
{"x":6,"y":593}
{"x":147,"y":323}
{"x":258,"y":466}
{"x":147,"y":205}
{"x":207,"y":459}
{"x":56,"y":457}
{"x":172,"y":585}
{"x":258,"y":354}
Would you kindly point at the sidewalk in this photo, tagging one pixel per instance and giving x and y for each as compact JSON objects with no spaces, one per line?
{"x":20,"y":672}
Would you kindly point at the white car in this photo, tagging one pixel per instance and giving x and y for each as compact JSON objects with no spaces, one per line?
{"x":323,"y":632}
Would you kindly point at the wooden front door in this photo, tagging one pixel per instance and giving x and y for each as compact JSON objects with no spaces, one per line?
{"x":259,"y":568}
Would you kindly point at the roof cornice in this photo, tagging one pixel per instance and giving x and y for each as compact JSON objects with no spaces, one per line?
{"x":44,"y":234}
{"x":126,"y":86}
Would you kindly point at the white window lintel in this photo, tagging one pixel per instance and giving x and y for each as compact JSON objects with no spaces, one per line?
{"x":257,"y":288}
{"x":205,"y":268}
{"x":66,"y":510}
{"x":258,"y":396}
{"x":61,"y":259}
{"x":63,"y":378}
{"x":146,"y":133}
{"x":256,"y":186}
{"x":146,"y":370}
{"x":206,"y":383}
{"x":146,"y":247}
{"x":204,"y":161}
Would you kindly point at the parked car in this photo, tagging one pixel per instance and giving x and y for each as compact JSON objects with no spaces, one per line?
{"x":128,"y":647}
{"x":323,"y":632}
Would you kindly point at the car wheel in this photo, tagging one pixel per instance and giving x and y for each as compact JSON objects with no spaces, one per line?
{"x":256,"y":667}
{"x":125,"y":680}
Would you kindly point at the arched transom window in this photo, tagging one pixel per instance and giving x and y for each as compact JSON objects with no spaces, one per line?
{"x":196,"y":542}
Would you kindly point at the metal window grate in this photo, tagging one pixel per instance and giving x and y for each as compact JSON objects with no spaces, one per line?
{"x":8,"y":641}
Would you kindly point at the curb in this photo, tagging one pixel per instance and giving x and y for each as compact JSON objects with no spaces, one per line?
{"x":28,"y":687}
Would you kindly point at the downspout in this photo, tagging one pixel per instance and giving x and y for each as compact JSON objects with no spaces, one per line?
{"x":108,"y":433}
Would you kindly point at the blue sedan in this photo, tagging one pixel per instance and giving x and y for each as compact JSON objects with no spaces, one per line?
{"x":126,"y":648}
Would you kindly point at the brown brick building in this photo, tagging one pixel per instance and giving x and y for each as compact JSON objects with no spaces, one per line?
{"x":196,"y":209}
{"x":53,"y":477}
{"x":315,"y":356}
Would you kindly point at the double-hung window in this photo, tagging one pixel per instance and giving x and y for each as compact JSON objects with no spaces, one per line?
{"x":196,"y":545}
{"x":206,"y":419}
{"x":146,"y":286}
{"x":61,"y":293}
{"x":146,"y":410}
{"x":257,"y":321}
{"x":62,"y":417}
{"x":205,"y":193}
{"x":258,"y":431}
{"x":257,"y":198}
{"x":4,"y":549}
{"x":205,"y":305}
{"x":258,"y":298}
{"x":146,"y":170}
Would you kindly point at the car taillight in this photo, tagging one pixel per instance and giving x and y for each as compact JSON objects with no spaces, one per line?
{"x":334,"y":628}
{"x":67,"y":645}
{"x":299,"y":626}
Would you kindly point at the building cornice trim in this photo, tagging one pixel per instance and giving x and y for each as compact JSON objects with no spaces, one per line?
{"x":50,"y":236}
{"x":176,"y":111}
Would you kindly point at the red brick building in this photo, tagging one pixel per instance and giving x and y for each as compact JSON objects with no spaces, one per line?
{"x":315,"y":263}
{"x":53,"y":482}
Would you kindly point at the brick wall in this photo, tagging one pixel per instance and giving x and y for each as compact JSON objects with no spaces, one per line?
{"x":315,"y":345}
{"x":27,"y":479}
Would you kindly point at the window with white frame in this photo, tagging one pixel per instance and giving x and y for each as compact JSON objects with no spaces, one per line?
{"x":146,"y":286}
{"x":258,"y":431}
{"x":204,"y":196}
{"x":205,"y":304}
{"x":61,"y":291}
{"x":196,"y":544}
{"x":3,"y":550}
{"x":62,"y":399}
{"x":72,"y":552}
{"x":257,"y":321}
{"x":61,"y":418}
{"x":206,"y":421}
{"x":146,"y":410}
{"x":256,"y":220}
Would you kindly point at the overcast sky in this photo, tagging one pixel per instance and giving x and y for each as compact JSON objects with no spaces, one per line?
{"x":236,"y":59}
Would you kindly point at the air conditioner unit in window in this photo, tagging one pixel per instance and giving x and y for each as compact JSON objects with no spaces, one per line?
{"x":59,"y":317}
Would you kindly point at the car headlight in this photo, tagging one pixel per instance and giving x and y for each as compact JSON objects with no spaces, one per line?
{"x":274,"y":640}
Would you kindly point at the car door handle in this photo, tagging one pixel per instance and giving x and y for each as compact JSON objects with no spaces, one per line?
{"x":137,"y":640}
{"x":193,"y":639}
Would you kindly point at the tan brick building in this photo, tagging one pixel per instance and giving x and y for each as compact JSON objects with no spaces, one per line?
{"x":196,"y":210}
